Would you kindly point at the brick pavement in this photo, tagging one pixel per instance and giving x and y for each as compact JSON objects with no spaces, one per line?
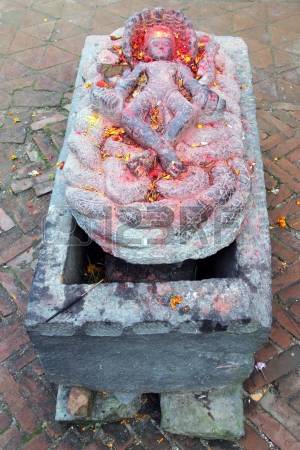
{"x":40,"y":43}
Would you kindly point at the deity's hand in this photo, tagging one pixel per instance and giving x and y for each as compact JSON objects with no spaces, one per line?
{"x":170,"y":163}
{"x":141,"y":163}
{"x":209,"y":100}
{"x":108,"y":102}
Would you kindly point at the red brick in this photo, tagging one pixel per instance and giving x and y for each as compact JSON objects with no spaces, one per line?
{"x":295,"y":404}
{"x":8,"y":283}
{"x":280,"y":365}
{"x":283,"y":251}
{"x":40,"y":442}
{"x":289,"y":385}
{"x":25,"y":276}
{"x":34,"y":391}
{"x":6,"y":222}
{"x":45,"y":145}
{"x":285,"y":236}
{"x":276,"y":265}
{"x":294,"y":156}
{"x":12,"y":342}
{"x":274,"y":430}
{"x":252,"y":440}
{"x":119,"y":433}
{"x":262,"y":135}
{"x":18,"y":247}
{"x":54,"y":429}
{"x":270,"y":181}
{"x":150,"y":435}
{"x":290,"y":276}
{"x":296,"y":114}
{"x":284,"y":176}
{"x":275,"y":199}
{"x":280,"y":336}
{"x":294,"y":222}
{"x":7,"y":329}
{"x":287,"y":146}
{"x":185,"y":443}
{"x":19,"y":361}
{"x":96,"y":446}
{"x":271,"y":141}
{"x":265,"y":353}
{"x":5,"y":421}
{"x":11,"y":438}
{"x":290,"y":293}
{"x":281,"y":126}
{"x":19,"y":408}
{"x":6,"y":306}
{"x":286,"y":321}
{"x":286,"y":117}
{"x":54,"y":56}
{"x":295,"y":309}
{"x":287,"y":209}
{"x":290,"y":168}
{"x":70,"y":441}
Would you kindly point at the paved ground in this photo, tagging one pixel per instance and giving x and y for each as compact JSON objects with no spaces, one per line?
{"x":40,"y":43}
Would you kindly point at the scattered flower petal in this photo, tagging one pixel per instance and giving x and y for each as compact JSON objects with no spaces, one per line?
{"x":60,"y":164}
{"x":175,"y":300}
{"x":281,"y":221}
{"x":260,"y":365}
{"x":34,"y":173}
{"x":275,"y":191}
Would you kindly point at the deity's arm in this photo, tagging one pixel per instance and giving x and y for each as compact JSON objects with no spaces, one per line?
{"x":201,"y":93}
{"x":127,"y":83}
{"x":189,"y":82}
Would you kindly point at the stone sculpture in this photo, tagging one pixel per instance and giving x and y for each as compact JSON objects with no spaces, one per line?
{"x":156,"y":172}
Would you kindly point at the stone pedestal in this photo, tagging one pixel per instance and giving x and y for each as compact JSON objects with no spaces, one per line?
{"x":180,"y":336}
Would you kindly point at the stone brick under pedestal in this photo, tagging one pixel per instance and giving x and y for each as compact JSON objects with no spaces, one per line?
{"x":102,"y":407}
{"x":133,"y":337}
{"x":215,"y":414}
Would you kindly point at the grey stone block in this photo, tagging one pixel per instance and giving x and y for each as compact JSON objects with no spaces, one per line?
{"x":105,"y":407}
{"x":124,"y":336}
{"x":217,"y":414}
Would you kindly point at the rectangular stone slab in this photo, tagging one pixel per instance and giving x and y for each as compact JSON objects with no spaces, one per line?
{"x":126,"y":336}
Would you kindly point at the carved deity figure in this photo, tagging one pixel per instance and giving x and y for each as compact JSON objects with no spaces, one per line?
{"x":161,"y":90}
{"x":156,"y":170}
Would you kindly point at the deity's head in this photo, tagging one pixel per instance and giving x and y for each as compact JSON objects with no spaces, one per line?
{"x":158,"y":34}
{"x":160,"y":43}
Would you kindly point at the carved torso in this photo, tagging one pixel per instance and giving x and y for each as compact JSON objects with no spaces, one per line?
{"x":156,"y":171}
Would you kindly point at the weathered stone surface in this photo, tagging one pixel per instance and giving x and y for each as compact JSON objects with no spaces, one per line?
{"x":6,"y":223}
{"x":130,"y":331}
{"x":38,"y":125}
{"x":43,"y":188}
{"x":102,"y":407}
{"x":79,"y":401}
{"x":282,"y":411}
{"x":36,"y":98}
{"x":21,"y":185}
{"x":15,"y":134}
{"x":216,"y":414}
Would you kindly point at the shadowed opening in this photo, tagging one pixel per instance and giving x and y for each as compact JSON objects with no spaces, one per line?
{"x":88,"y":263}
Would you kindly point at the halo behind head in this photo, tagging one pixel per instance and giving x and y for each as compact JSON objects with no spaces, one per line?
{"x":139,"y":26}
